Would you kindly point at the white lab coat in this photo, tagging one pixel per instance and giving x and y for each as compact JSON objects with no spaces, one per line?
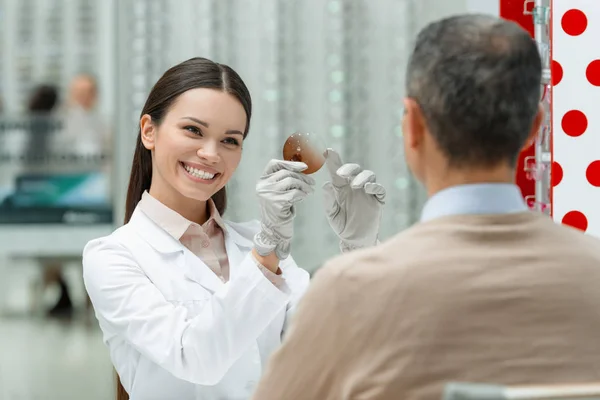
{"x":173,"y":328}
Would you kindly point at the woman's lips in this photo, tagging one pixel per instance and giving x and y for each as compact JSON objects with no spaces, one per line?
{"x":198,"y":175}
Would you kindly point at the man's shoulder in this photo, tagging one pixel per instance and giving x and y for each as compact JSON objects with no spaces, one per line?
{"x":428,"y":241}
{"x":389,"y":254}
{"x":570,"y":240}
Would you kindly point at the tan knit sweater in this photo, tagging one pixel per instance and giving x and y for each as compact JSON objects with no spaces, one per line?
{"x":509,"y":299}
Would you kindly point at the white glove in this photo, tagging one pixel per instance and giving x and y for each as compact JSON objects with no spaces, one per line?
{"x":353,"y":203}
{"x":281,"y":186}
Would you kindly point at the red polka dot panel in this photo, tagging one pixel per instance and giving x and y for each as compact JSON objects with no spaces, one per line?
{"x":576,"y":219}
{"x":593,"y":174}
{"x":593,"y":73}
{"x":574,"y":22}
{"x":574,"y":123}
{"x":575,"y":114}
{"x":557,"y":72}
{"x":556,"y":173}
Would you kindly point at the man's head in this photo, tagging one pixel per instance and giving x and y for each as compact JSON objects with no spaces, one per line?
{"x":83,"y":91}
{"x":472,"y":104}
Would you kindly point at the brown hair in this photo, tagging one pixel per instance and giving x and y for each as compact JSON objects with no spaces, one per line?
{"x":194,"y":73}
{"x":43,"y":99}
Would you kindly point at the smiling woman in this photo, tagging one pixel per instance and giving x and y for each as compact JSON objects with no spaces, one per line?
{"x":182,"y":105}
{"x":181,"y":295}
{"x":191,"y":306}
{"x":198,"y":141}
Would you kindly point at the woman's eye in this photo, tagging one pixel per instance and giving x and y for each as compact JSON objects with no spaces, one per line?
{"x":192,"y":129}
{"x":232,"y":141}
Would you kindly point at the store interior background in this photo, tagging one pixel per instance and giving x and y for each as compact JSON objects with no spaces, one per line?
{"x":330,"y":67}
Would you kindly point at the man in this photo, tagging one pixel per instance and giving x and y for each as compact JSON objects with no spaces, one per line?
{"x":85,"y":131}
{"x":83,"y":92}
{"x":481,"y":290}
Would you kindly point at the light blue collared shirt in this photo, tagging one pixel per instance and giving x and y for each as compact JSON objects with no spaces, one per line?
{"x":480,"y":198}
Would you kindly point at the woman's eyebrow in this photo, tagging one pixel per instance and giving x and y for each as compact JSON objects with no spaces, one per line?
{"x":196,"y":120}
{"x":205,"y":124}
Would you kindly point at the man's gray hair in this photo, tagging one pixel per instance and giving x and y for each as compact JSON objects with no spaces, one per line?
{"x":477,"y":80}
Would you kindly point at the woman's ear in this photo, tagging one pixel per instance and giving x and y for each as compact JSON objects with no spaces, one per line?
{"x":148,"y":131}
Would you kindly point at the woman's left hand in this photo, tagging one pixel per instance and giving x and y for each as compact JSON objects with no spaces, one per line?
{"x":353,"y":202}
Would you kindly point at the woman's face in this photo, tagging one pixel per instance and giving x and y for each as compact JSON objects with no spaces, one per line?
{"x":197,"y":147}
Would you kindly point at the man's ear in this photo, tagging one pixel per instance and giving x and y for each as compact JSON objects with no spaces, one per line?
{"x":413,"y":124}
{"x":148,"y":132}
{"x":535,"y":128}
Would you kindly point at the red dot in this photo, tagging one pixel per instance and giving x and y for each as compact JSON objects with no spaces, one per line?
{"x":557,"y":72}
{"x":593,"y":73}
{"x":556,"y":173}
{"x":593,"y":173}
{"x":574,"y":22}
{"x":574,"y":123}
{"x":576,"y":219}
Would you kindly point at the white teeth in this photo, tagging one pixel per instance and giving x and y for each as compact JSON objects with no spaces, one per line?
{"x":198,"y":173}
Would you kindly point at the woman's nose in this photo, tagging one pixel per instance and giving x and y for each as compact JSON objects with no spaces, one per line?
{"x":209,"y":152}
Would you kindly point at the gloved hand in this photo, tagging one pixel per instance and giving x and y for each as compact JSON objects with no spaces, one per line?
{"x":353,"y":203}
{"x":281,"y":186}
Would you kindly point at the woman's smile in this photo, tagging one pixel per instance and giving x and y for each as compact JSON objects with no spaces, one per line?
{"x":199,"y":173}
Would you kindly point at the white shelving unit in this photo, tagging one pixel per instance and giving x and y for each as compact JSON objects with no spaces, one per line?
{"x":50,"y":41}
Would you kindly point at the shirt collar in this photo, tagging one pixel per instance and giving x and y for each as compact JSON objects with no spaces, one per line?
{"x":173,"y":222}
{"x":213,"y":214}
{"x":481,"y":198}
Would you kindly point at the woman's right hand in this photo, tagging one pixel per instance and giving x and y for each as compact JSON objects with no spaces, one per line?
{"x":281,"y":186}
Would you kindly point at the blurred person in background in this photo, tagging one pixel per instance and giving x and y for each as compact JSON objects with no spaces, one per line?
{"x":41,"y":108}
{"x":42,"y":104}
{"x":191,"y":305}
{"x":83,"y":92}
{"x":44,"y":99}
{"x":482,"y":289}
{"x":86,"y":132}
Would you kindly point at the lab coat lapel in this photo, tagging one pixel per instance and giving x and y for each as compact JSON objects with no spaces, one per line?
{"x":193,"y":268}
{"x":196,"y":270}
{"x":237,"y":247}
{"x":234,"y":254}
